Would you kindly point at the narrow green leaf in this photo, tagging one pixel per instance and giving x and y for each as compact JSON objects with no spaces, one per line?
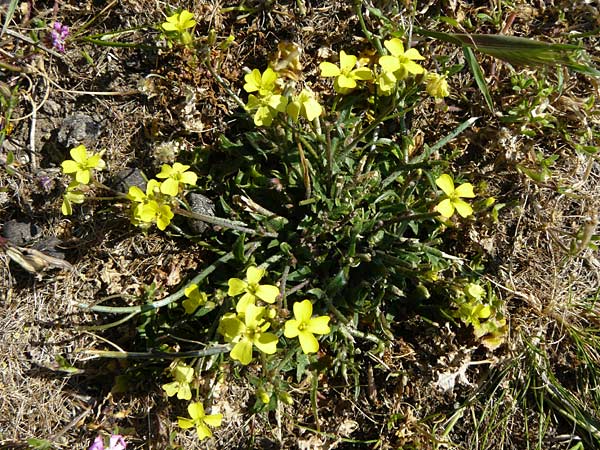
{"x":442,"y":142}
{"x":9,"y":15}
{"x":479,"y":76}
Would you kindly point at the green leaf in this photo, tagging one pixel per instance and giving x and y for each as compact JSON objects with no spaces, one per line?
{"x":9,"y":15}
{"x":442,"y":142}
{"x":238,"y":248}
{"x":39,"y":444}
{"x":479,"y":76}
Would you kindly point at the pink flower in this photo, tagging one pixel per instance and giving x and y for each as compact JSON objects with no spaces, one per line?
{"x":117,"y":442}
{"x":59,"y":34}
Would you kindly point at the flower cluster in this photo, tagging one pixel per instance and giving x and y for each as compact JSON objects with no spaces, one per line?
{"x":154,"y":205}
{"x":58,"y":35}
{"x":247,"y":327}
{"x":390,"y":70}
{"x":176,"y":26}
{"x":80,"y":168}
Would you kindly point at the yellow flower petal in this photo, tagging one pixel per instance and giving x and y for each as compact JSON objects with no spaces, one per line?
{"x":395,"y":46}
{"x":253,"y":81}
{"x":308,"y":342}
{"x":213,"y":420}
{"x":389,"y":63}
{"x":203,"y":431}
{"x":329,"y":70}
{"x":254,"y":274}
{"x":185,"y":423}
{"x":445,"y":208}
{"x":242,"y":352}
{"x":463,"y":208}
{"x":465,"y":190}
{"x":171,"y":388}
{"x":345,"y":82}
{"x":196,"y":411}
{"x":362,"y":73}
{"x":79,"y":154}
{"x":184,"y":392}
{"x":291,"y":328}
{"x":319,"y":325}
{"x":303,"y":311}
{"x":267,"y":293}
{"x":266,"y":343}
{"x":170,"y":187}
{"x":446,"y":184}
{"x":236,"y":286}
{"x":413,"y":53}
{"x":69,"y":166}
{"x":83,"y":176}
{"x":347,"y":62}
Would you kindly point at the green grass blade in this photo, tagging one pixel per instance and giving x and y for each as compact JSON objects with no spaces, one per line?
{"x":9,"y":15}
{"x":517,"y":50}
{"x":479,"y":76}
{"x":442,"y":142}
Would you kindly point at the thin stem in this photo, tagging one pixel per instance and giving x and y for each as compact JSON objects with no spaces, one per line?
{"x":173,"y":297}
{"x":215,"y":350}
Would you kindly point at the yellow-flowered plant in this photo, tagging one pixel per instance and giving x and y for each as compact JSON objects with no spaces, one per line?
{"x":200,"y":420}
{"x":174,"y":177}
{"x":73,"y":194}
{"x":266,"y":108}
{"x":304,"y":104}
{"x":178,"y":24}
{"x":264,"y":84}
{"x":304,"y":326}
{"x":346,"y":74}
{"x":454,"y":200}
{"x":183,"y":375}
{"x":400,"y":63}
{"x":252,"y":289}
{"x":247,"y":332}
{"x":82,"y":164}
{"x":195,"y":298}
{"x":436,"y":85}
{"x":150,"y":207}
{"x":268,"y":102}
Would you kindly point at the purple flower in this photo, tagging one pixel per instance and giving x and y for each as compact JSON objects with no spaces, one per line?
{"x":59,"y":34}
{"x":117,"y":442}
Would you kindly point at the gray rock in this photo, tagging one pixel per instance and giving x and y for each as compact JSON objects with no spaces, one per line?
{"x":131,"y":176}
{"x":77,"y":129}
{"x":19,"y":233}
{"x":202,"y":205}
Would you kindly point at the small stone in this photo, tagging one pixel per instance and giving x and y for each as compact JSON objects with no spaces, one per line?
{"x":19,"y":233}
{"x":200,"y":205}
{"x":77,"y":129}
{"x":125,"y":178}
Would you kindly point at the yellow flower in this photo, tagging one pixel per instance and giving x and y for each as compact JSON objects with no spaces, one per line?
{"x":251,"y":332}
{"x":304,"y":104}
{"x":200,"y":420}
{"x":183,"y":375}
{"x":264,"y":84}
{"x":252,"y":289}
{"x":72,"y":195}
{"x":454,"y":201}
{"x":176,"y":175}
{"x":82,"y":164}
{"x":400,"y":63}
{"x":266,"y":108}
{"x":155,"y":212}
{"x":345,"y":75}
{"x":436,"y":85}
{"x":179,"y":22}
{"x":195,"y":298}
{"x":304,"y":326}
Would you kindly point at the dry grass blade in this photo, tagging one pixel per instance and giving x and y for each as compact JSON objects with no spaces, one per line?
{"x":518,"y":50}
